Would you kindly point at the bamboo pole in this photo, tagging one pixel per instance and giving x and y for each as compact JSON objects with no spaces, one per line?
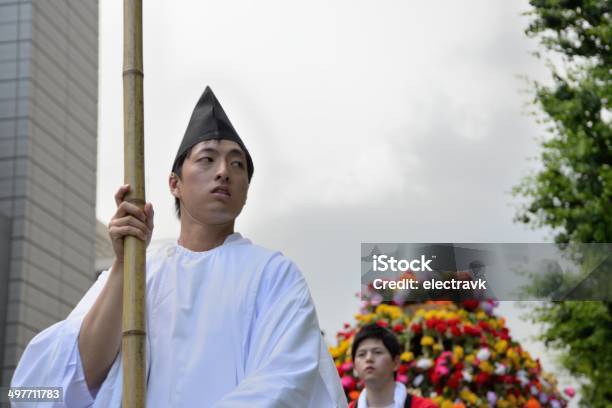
{"x":133,"y":340}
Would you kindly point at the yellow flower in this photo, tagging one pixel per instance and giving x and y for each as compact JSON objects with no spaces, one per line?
{"x":367,"y":318}
{"x":468,"y":396}
{"x":486,"y":367}
{"x":470,"y":359}
{"x":502,"y":403}
{"x":427,"y":341}
{"x":452,"y":315}
{"x":438,"y":347}
{"x":447,"y":404}
{"x":391,"y":311}
{"x":420,"y":313}
{"x":340,"y":350}
{"x":513,"y":355}
{"x":481,"y":315}
{"x":458,"y":351}
{"x":407,"y":356}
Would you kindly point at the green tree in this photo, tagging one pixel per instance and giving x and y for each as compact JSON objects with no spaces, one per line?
{"x":572,"y":192}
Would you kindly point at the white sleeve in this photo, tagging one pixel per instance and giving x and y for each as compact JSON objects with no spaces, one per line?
{"x":52,"y":358}
{"x":284,"y":353}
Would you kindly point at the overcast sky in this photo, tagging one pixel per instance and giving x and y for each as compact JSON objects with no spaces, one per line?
{"x":390,"y":121}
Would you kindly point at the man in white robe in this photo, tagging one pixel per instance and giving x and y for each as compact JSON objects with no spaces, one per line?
{"x":229,"y":323}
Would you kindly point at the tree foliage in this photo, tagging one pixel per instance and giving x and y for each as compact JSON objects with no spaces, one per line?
{"x":572,"y":192}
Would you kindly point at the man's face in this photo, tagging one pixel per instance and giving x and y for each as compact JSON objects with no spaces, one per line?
{"x":214,"y":182}
{"x":373,"y":362}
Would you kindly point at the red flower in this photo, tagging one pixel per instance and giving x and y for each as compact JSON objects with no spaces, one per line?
{"x":441,"y":327}
{"x":481,"y":378}
{"x":471,"y":330}
{"x":471,"y":304}
{"x":455,"y":331}
{"x":416,"y":328}
{"x":505,"y":335}
{"x":399,"y":328}
{"x":403,"y":368}
{"x":431,"y":323}
{"x":382,"y":323}
{"x":453,"y":381}
{"x":484,"y":326}
{"x":453,"y":322}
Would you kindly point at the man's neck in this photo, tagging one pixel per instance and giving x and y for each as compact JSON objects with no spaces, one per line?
{"x":380,"y":395}
{"x":203,"y":237}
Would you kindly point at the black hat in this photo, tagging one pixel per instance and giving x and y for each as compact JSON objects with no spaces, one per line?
{"x":209,"y":121}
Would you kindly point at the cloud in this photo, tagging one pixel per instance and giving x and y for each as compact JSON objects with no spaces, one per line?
{"x":393,"y":121}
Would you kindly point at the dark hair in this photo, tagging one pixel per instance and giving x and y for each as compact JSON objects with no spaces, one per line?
{"x":374,"y":331}
{"x":178,"y":167}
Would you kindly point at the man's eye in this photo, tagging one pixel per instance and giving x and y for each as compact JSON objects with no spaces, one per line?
{"x":238,"y":164}
{"x":206,"y":159}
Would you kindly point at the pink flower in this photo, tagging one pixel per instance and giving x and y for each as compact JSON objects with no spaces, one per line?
{"x":570,"y":392}
{"x":348,"y":366}
{"x":402,"y":378}
{"x":348,"y":383}
{"x":441,"y":370}
{"x":446,"y":354}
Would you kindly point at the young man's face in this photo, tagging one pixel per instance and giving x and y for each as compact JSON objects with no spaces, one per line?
{"x":214,"y":182}
{"x":373,"y":362}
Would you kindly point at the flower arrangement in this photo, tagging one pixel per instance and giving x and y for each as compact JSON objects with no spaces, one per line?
{"x":458,"y":354}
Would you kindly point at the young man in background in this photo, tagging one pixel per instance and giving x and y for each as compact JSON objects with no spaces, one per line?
{"x":376,"y":358}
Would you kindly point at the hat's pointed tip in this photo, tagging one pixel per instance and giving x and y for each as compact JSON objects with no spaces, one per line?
{"x":209,"y":95}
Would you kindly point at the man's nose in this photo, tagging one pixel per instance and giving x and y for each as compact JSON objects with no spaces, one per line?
{"x":222,"y":171}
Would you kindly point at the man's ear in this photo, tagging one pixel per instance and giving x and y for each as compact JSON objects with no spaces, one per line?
{"x":396,"y":363}
{"x":174,"y":182}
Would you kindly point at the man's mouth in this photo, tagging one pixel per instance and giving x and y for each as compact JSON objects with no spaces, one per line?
{"x":221,"y":191}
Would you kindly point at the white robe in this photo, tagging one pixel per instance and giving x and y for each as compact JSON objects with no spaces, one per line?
{"x":231,"y":327}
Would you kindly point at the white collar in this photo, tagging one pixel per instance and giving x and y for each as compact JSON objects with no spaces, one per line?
{"x":399,"y":396}
{"x":233,"y":238}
